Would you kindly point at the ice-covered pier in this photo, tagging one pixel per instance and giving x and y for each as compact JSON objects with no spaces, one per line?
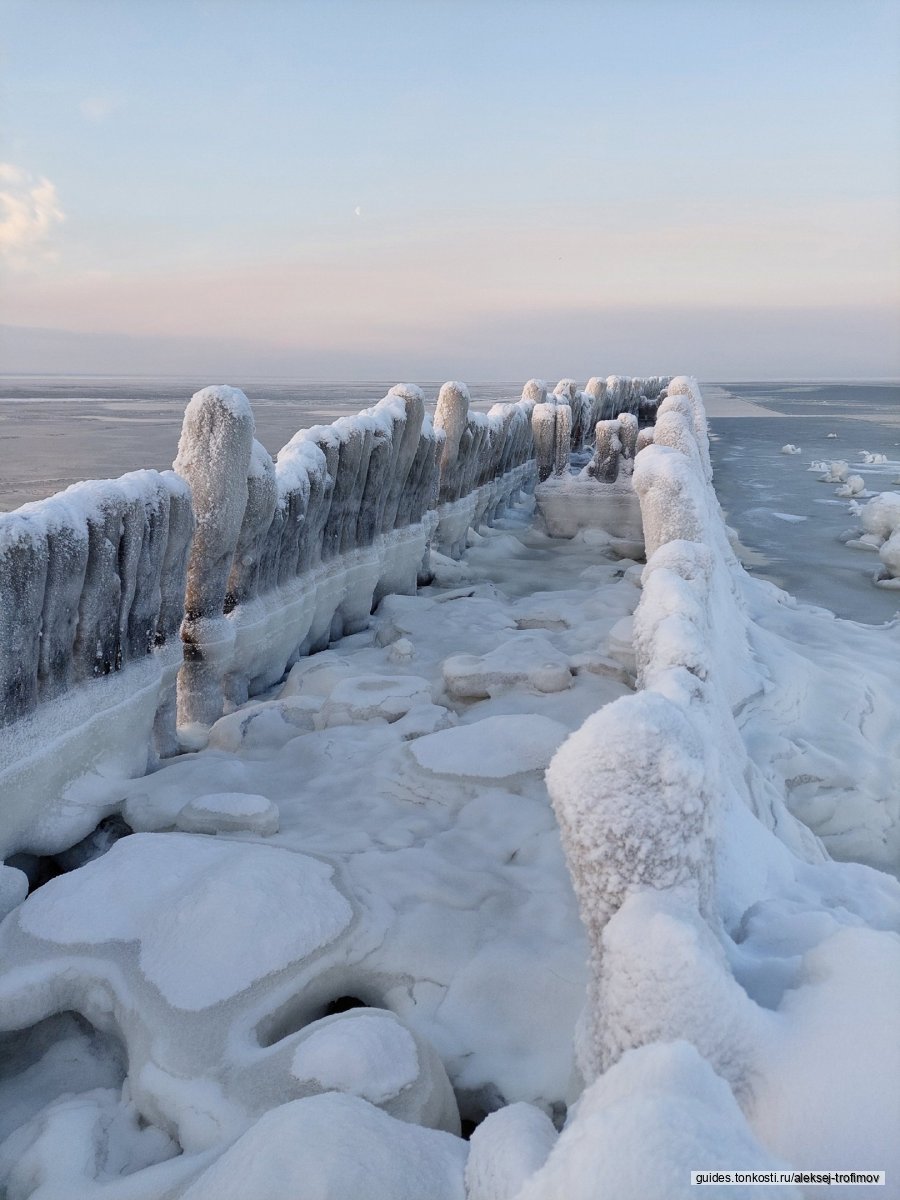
{"x":446,"y":775}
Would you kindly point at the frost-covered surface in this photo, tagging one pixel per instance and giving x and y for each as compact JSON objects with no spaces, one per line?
{"x":713,"y":915}
{"x":350,"y":920}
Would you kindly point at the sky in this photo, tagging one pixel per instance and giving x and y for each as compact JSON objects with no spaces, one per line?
{"x":352,"y":189}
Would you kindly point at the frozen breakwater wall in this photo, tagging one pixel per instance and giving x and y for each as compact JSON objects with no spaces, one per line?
{"x":667,"y":769}
{"x":737,"y":974}
{"x":253,"y":561}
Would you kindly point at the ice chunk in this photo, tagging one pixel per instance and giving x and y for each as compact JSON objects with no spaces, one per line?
{"x":530,"y":660}
{"x":881,"y":515}
{"x":836,"y":472}
{"x":266,"y":724}
{"x":423,"y":719}
{"x":621,"y":645}
{"x":369,"y":1052}
{"x":401,"y":651}
{"x":495,"y":748}
{"x":229,"y":812}
{"x":790,"y":448}
{"x":855,"y":485}
{"x":370,"y":697}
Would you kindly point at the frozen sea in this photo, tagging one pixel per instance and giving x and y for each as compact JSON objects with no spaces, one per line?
{"x":789,"y":521}
{"x":57,"y":430}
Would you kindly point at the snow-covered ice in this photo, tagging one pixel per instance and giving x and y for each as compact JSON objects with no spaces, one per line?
{"x":588,"y":858}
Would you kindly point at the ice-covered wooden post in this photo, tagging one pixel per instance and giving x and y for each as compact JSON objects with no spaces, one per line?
{"x":628,"y":435}
{"x":595,"y":390}
{"x":451,"y":414}
{"x":604,"y":466}
{"x":262,"y":498}
{"x":645,"y":437}
{"x":563,"y":439}
{"x":214,"y":457}
{"x":543,"y":424}
{"x":23,"y":577}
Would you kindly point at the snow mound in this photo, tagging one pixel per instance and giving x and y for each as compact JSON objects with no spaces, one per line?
{"x":335,"y":1147}
{"x":506,"y":1149}
{"x":364,"y":1052}
{"x":495,"y":748}
{"x":639,"y":1131}
{"x":529,"y":660}
{"x":368,"y":1052}
{"x":175,"y":899}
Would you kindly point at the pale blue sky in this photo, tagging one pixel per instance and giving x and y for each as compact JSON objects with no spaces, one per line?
{"x":468,"y":188}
